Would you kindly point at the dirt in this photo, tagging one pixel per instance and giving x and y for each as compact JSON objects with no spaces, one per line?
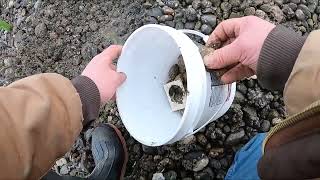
{"x":176,"y":94}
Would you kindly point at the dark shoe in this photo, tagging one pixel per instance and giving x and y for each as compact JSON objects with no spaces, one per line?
{"x":109,"y":152}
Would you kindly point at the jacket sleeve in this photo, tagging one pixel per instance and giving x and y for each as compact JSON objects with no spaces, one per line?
{"x":277,"y":57}
{"x":40,"y":118}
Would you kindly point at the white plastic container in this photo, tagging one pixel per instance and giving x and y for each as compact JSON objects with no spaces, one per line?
{"x":146,"y":59}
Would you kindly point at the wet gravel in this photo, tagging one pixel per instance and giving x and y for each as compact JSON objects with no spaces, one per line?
{"x":62,"y":36}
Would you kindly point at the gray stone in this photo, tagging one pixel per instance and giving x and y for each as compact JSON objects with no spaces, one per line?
{"x":225,"y":6}
{"x":261,"y":14}
{"x":215,"y":164}
{"x":276,"y":121}
{"x":295,"y":1}
{"x":265,"y":126}
{"x":209,"y":19}
{"x":158,"y":176}
{"x":149,"y":150}
{"x":198,"y":26}
{"x":277,"y":13}
{"x":191,"y":14}
{"x":235,"y":3}
{"x":235,"y":138}
{"x":170,"y":23}
{"x":167,"y":10}
{"x":318,"y":10}
{"x":64,"y":170}
{"x":155,"y":12}
{"x":165,"y":18}
{"x":293,"y":6}
{"x":189,"y":25}
{"x":196,"y":4}
{"x":206,"y":29}
{"x":300,"y":15}
{"x":279,"y":2}
{"x":239,"y":98}
{"x":310,"y":22}
{"x":93,"y":25}
{"x":250,"y":114}
{"x":170,"y":175}
{"x":256,"y":2}
{"x":172,"y":3}
{"x":305,"y":10}
{"x":266,"y":8}
{"x":249,"y":11}
{"x":288,"y":11}
{"x":40,"y":30}
{"x":206,"y":4}
{"x":179,"y":25}
{"x":150,"y":20}
{"x":201,"y":164}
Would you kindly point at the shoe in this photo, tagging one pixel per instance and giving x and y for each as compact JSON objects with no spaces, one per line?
{"x":109,"y":152}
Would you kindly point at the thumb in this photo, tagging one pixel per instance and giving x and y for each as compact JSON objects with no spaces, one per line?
{"x":223,"y":57}
{"x":120,"y":78}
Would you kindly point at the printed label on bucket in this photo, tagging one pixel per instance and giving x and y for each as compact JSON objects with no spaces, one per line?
{"x":217,"y":96}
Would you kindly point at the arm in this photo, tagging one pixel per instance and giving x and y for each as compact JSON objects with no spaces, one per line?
{"x":42,"y":115}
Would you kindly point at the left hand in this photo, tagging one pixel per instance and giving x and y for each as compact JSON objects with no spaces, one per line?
{"x":103,"y":73}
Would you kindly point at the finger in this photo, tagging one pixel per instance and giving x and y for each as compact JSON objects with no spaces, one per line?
{"x":237,"y":73}
{"x":223,"y":57}
{"x":225,"y":30}
{"x":120,"y":78}
{"x":111,"y":53}
{"x":113,"y":67}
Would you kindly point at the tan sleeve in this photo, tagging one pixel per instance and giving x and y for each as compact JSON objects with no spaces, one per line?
{"x":302,"y":87}
{"x":40,"y":117}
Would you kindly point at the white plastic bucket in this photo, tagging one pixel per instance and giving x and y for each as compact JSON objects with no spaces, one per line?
{"x":146,"y":58}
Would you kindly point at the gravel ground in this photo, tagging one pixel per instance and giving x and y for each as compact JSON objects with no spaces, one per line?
{"x":62,"y":36}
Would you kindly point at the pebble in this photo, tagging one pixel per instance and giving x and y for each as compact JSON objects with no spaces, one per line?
{"x":209,"y":19}
{"x":249,"y":11}
{"x":191,"y":14}
{"x":235,"y":3}
{"x":259,"y":13}
{"x":64,"y":170}
{"x":155,"y":12}
{"x":295,"y":1}
{"x":172,"y":3}
{"x":235,"y":138}
{"x":158,"y":176}
{"x":293,"y":6}
{"x":170,"y":175}
{"x":165,"y":18}
{"x":266,"y":8}
{"x":40,"y":30}
{"x":196,"y":4}
{"x":276,"y":121}
{"x":149,"y":150}
{"x":189,"y":25}
{"x":277,"y":13}
{"x":207,"y":173}
{"x":93,"y":25}
{"x":215,"y":164}
{"x":179,"y":25}
{"x":225,"y":6}
{"x":167,"y":10}
{"x":288,"y":11}
{"x":265,"y":126}
{"x":61,"y":162}
{"x":206,"y":29}
{"x":305,"y":10}
{"x":201,"y":164}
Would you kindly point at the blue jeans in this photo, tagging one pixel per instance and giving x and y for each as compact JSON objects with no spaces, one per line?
{"x":245,"y":162}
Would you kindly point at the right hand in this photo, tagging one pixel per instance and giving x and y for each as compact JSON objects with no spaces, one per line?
{"x":242,"y":40}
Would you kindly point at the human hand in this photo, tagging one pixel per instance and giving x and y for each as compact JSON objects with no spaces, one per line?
{"x":242,"y":40}
{"x":103,"y":73}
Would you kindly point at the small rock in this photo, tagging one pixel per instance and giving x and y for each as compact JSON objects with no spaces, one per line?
{"x":172,"y":3}
{"x":249,"y":11}
{"x":204,"y":175}
{"x":235,"y":138}
{"x":261,"y":14}
{"x":40,"y":30}
{"x":158,"y":176}
{"x":201,"y":164}
{"x":239,"y":98}
{"x":168,"y":10}
{"x":235,"y":3}
{"x":295,"y":1}
{"x":288,"y":11}
{"x":189,"y":25}
{"x":265,"y":126}
{"x":242,"y":88}
{"x":61,"y":162}
{"x":293,"y":6}
{"x":196,"y":4}
{"x":64,"y":170}
{"x":165,"y":18}
{"x":93,"y":25}
{"x":276,"y":121}
{"x":305,"y":10}
{"x":215,"y":164}
{"x":155,"y":12}
{"x":191,"y":14}
{"x":88,"y":134}
{"x":215,"y":152}
{"x":257,"y":3}
{"x":149,"y":150}
{"x":201,"y":138}
{"x":170,"y":175}
{"x":277,"y":13}
{"x":209,"y":19}
{"x":179,"y":25}
{"x":225,"y":6}
{"x":226,"y":129}
{"x":206,"y":29}
{"x":279,"y":2}
{"x":318,"y":10}
{"x":150,"y":20}
{"x":189,"y":140}
{"x":266,"y":8}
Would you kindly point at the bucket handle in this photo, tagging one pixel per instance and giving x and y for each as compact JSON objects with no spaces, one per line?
{"x":205,"y":39}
